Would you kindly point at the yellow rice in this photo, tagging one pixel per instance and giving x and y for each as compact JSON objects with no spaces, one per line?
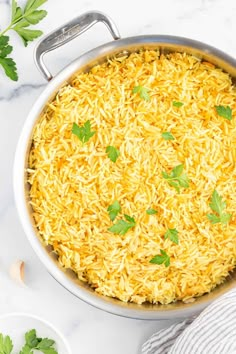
{"x":73,"y":184}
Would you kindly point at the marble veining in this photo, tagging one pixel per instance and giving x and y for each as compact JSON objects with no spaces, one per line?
{"x":24,"y":88}
{"x":87,"y":329}
{"x":5,"y":2}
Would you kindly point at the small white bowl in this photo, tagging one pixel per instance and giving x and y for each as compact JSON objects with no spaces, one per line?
{"x":17,"y":324}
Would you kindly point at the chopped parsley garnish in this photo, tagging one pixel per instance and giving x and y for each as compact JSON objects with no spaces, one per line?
{"x":177,"y":104}
{"x":142,"y":91}
{"x":122,"y":226}
{"x":177,"y":178}
{"x":172,"y":234}
{"x":217,"y":205}
{"x":112,"y":153}
{"x":167,"y":136}
{"x":162,"y":258}
{"x":83,"y":132}
{"x":114,"y":210}
{"x":224,"y":111}
{"x":151,"y":211}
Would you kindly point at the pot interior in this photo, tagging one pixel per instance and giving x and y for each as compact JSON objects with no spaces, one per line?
{"x":68,"y":278}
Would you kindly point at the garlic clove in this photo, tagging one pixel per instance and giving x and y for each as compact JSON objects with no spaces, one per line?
{"x":17,"y":272}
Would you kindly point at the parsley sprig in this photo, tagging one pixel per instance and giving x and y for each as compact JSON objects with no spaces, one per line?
{"x":177,"y":178}
{"x":21,"y":20}
{"x":32,"y":344}
{"x":217,"y":205}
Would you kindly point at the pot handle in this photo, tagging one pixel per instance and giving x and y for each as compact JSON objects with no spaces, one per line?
{"x":66,"y":33}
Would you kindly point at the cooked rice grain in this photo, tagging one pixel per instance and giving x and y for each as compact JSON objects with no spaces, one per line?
{"x":73,"y":184}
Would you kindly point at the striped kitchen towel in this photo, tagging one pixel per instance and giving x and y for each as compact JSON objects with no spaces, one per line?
{"x":213,"y":331}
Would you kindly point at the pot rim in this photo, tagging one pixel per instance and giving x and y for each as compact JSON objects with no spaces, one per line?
{"x":116,"y":306}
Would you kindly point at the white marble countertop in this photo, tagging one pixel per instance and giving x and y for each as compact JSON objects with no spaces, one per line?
{"x":87,"y":329}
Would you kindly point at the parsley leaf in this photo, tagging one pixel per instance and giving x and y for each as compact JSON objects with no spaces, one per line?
{"x":16,"y":12}
{"x":8,"y":64}
{"x":32,"y":15}
{"x":26,"y":35}
{"x":224,"y":111}
{"x":217,"y":205}
{"x":23,"y":18}
{"x":32,"y":5}
{"x":112,"y":153}
{"x":129,"y":218}
{"x":177,"y":178}
{"x":5,"y":48}
{"x":26,"y":350}
{"x":46,"y":346}
{"x":143,"y":92}
{"x":113,"y":210}
{"x":151,"y":211}
{"x":84,"y":132}
{"x":177,"y":104}
{"x":31,"y":338}
{"x":6,"y":345}
{"x":162,"y":258}
{"x":172,"y":234}
{"x":48,"y":351}
{"x":167,"y":136}
{"x":45,"y":343}
{"x":122,"y":226}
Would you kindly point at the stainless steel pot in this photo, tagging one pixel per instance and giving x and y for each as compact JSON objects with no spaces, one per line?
{"x":57,"y":38}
